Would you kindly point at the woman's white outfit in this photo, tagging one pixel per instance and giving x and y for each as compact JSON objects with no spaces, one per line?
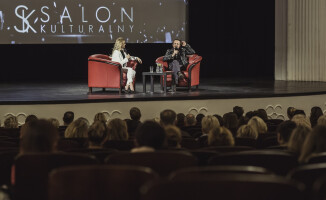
{"x":118,"y":57}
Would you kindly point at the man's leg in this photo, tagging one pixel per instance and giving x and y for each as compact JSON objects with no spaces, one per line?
{"x":175,"y":69}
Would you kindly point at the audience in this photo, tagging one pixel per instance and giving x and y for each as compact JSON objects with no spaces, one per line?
{"x":117,"y":130}
{"x":173,"y":136}
{"x":315,"y":113}
{"x":77,"y":129}
{"x":54,"y":122}
{"x":100,"y":117}
{"x":134,"y":120}
{"x":180,"y":120}
{"x":207,"y":124}
{"x":39,"y":136}
{"x":284,"y":131}
{"x":238,"y":111}
{"x":169,"y":117}
{"x":30,"y":118}
{"x":230,"y":121}
{"x":290,"y":112}
{"x":190,"y":120}
{"x":220,"y":119}
{"x":301,"y":119}
{"x":258,"y":124}
{"x":322,"y":120}
{"x":262,"y":114}
{"x":315,"y":143}
{"x":68,"y":118}
{"x":97,"y":133}
{"x":199,"y":117}
{"x":150,"y":136}
{"x":247,"y":131}
{"x":11,"y":122}
{"x":298,"y":136}
{"x":220,"y":136}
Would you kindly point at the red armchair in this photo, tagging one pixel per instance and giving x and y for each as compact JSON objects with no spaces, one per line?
{"x":105,"y":73}
{"x":191,"y":73}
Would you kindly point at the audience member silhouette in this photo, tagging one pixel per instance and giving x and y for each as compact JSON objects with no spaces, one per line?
{"x":247,"y":131}
{"x":315,"y":113}
{"x":117,"y":130}
{"x":180,"y":120}
{"x":173,"y":136}
{"x":97,"y":133}
{"x":220,"y":136}
{"x":296,"y":141}
{"x":208,"y":123}
{"x":100,"y":117}
{"x":284,"y":131}
{"x":258,"y":124}
{"x":77,"y":129}
{"x":68,"y":117}
{"x":150,"y":136}
{"x":11,"y":122}
{"x":134,"y":120}
{"x":169,"y":117}
{"x":230,"y":120}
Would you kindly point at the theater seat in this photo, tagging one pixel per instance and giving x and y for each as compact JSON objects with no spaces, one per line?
{"x":105,"y":73}
{"x":225,"y":186}
{"x":99,"y":182}
{"x":191,"y":73}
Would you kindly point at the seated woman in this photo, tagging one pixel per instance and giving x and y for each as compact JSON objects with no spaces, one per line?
{"x":119,"y":55}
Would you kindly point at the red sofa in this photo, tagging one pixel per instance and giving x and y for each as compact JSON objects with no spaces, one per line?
{"x":105,"y":73}
{"x":191,"y":73}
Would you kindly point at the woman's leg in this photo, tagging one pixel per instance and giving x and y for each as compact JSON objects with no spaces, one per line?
{"x":130,"y":78}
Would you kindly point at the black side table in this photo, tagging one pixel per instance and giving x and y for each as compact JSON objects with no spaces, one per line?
{"x":152,"y":74}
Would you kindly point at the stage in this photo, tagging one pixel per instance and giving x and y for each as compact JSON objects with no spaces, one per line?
{"x":214,"y":96}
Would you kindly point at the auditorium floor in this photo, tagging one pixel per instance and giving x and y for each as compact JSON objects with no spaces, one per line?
{"x":77,"y":92}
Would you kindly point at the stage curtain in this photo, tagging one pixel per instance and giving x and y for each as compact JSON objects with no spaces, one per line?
{"x":300,"y":40}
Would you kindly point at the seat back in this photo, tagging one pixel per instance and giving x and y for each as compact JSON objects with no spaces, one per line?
{"x":122,"y":145}
{"x":276,"y":161}
{"x":245,"y":142}
{"x":163,"y":162}
{"x":227,"y":186}
{"x":226,"y":149}
{"x":215,"y":171}
{"x":6,"y":161}
{"x":31,"y":172}
{"x":98,"y":182}
{"x":318,"y":158}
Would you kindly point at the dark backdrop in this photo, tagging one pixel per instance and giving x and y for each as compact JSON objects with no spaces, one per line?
{"x":235,"y":38}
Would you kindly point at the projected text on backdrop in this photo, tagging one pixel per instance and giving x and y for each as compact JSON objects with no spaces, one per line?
{"x":96,"y":21}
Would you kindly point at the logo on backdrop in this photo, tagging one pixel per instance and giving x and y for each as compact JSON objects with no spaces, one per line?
{"x":68,"y":24}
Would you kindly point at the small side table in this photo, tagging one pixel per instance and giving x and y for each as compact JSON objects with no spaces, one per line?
{"x":152,"y":74}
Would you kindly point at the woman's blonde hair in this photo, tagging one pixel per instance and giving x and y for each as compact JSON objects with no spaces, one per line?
{"x":118,"y":44}
{"x":220,"y":136}
{"x":100,"y":117}
{"x":54,"y":122}
{"x":258,"y":124}
{"x":301,"y":120}
{"x":173,"y":136}
{"x":247,"y":131}
{"x":11,"y":122}
{"x":77,"y":129}
{"x":208,"y":123}
{"x":298,"y":136}
{"x":322,"y":120}
{"x":117,"y":129}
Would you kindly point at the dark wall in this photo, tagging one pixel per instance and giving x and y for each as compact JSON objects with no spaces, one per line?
{"x":235,"y":38}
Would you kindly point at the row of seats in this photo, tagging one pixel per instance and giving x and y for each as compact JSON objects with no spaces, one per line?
{"x":179,"y":169}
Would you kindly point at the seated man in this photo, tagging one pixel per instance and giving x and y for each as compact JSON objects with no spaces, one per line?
{"x":177,"y":58}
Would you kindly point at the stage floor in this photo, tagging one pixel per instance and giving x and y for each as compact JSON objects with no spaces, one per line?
{"x":77,"y":92}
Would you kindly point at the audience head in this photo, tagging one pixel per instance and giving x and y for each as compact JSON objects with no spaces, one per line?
{"x":262,"y":114}
{"x":238,"y":111}
{"x":97,"y":132}
{"x":173,"y":136}
{"x":77,"y":129}
{"x":290,"y":112}
{"x":322,"y":120}
{"x":249,"y":115}
{"x":199,"y":117}
{"x":230,"y":120}
{"x":220,"y":119}
{"x":297,"y":139}
{"x":11,"y":122}
{"x":246,"y":131}
{"x":180,"y":120}
{"x":190,"y":120}
{"x":168,"y":117}
{"x":38,"y":136}
{"x":315,"y":143}
{"x":54,"y":122}
{"x":300,"y":119}
{"x":258,"y":124}
{"x":299,"y":112}
{"x":315,"y":113}
{"x":150,"y":134}
{"x":284,"y":131}
{"x":100,"y":117}
{"x":30,"y":118}
{"x":208,"y":123}
{"x":68,"y":117}
{"x":117,"y":129}
{"x":135,"y":113}
{"x":220,"y":136}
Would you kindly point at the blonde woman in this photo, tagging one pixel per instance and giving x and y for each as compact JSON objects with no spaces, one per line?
{"x":220,"y":136}
{"x":11,"y":122}
{"x":258,"y":124}
{"x":117,"y":130}
{"x":77,"y":129}
{"x":119,"y":55}
{"x":100,"y":117}
{"x":246,"y":131}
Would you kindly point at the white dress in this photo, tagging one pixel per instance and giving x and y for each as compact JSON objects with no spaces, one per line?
{"x":117,"y":57}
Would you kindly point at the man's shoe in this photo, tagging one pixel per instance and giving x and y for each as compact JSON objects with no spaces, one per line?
{"x":181,"y":76}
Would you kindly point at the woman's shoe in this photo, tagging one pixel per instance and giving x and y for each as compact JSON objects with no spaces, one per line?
{"x":126,"y":91}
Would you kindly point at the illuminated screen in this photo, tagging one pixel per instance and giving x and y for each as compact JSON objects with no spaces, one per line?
{"x":92,"y":21}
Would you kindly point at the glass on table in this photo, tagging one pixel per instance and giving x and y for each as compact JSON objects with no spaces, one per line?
{"x":151,"y":69}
